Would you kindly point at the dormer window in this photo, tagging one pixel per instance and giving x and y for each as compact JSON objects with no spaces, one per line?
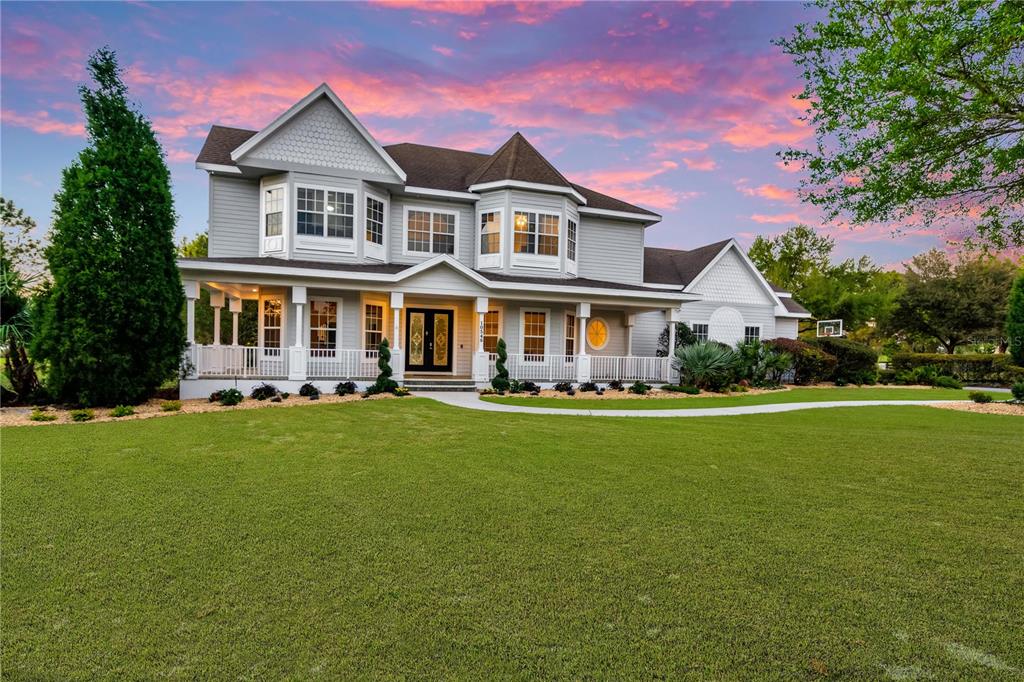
{"x":536,"y":233}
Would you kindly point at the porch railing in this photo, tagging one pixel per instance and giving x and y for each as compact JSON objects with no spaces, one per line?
{"x":240,"y":361}
{"x":628,"y":368}
{"x":340,"y":363}
{"x":542,"y":367}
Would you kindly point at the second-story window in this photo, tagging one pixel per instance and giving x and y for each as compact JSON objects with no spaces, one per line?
{"x":374,"y":221}
{"x":490,"y":233}
{"x":570,"y":239}
{"x":273,"y":210}
{"x":430,"y":232}
{"x":320,"y":213}
{"x":536,"y":233}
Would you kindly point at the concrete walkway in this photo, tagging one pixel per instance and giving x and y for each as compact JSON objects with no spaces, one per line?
{"x":472,"y":401}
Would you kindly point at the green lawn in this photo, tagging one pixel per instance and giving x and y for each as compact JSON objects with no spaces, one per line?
{"x":408,"y":539}
{"x":796,"y":395}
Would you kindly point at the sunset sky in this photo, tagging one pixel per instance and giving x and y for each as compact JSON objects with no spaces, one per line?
{"x":680,"y":108}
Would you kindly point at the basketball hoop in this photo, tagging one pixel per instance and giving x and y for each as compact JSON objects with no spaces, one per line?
{"x":830,"y":328}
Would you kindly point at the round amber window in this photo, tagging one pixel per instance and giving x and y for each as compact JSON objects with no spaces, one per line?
{"x":597,"y":333}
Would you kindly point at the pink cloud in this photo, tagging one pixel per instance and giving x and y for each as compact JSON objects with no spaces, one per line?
{"x":41,"y":122}
{"x":446,"y":51}
{"x":703,"y":163}
{"x":789,"y":166}
{"x":778,"y":218}
{"x":467,"y":35}
{"x":768,"y":191}
{"x":752,"y":135}
{"x":631,"y":184}
{"x":530,"y":13}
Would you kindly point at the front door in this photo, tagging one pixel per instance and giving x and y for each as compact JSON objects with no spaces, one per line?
{"x":428,"y":336}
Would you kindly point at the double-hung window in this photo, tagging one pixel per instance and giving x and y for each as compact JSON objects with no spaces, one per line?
{"x":700,"y":330}
{"x":751,"y":334}
{"x":534,"y":335}
{"x":570,"y":335}
{"x":272,"y":316}
{"x":570,"y":239}
{"x":490,"y":233}
{"x":374,"y":221}
{"x":491,"y":324}
{"x":324,"y":213}
{"x":430,"y":231}
{"x":273,"y":211}
{"x":373,"y":326}
{"x":323,"y":325}
{"x":536,"y":233}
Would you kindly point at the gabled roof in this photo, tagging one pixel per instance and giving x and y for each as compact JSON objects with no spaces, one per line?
{"x":672,"y":266}
{"x":517,"y":159}
{"x":442,"y":168}
{"x":794,"y":307}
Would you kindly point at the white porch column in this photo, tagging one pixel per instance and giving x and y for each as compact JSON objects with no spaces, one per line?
{"x":630,"y":321}
{"x":297,"y":353}
{"x":235,"y":306}
{"x":191,"y":294}
{"x":480,"y":355}
{"x":673,"y":316}
{"x":216,"y":302}
{"x":397,"y":354}
{"x":582,"y":359}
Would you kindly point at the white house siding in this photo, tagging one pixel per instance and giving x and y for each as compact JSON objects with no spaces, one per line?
{"x":647,"y":327}
{"x":786,"y":327}
{"x":234,"y":228}
{"x":726,"y":320}
{"x":731,"y":281}
{"x":322,"y":136}
{"x":465,"y":230}
{"x":611,"y":251}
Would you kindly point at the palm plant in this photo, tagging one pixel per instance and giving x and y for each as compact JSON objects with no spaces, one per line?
{"x":760,"y":364}
{"x":705,"y":364}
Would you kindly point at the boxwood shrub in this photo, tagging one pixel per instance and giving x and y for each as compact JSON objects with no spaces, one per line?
{"x":855,"y":363}
{"x":984,"y":368}
{"x":811,"y":365}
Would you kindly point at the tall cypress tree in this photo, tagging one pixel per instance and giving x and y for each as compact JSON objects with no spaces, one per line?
{"x":111,"y":329}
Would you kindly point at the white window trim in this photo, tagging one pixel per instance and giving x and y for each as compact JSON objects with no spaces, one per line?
{"x":572,"y":264}
{"x":285,"y":223}
{"x":284,"y":322}
{"x":532,"y":260}
{"x":309,"y":319}
{"x":760,"y":331}
{"x":547,"y":333}
{"x":586,"y":336}
{"x":325,"y":243}
{"x":490,"y":260}
{"x":385,"y":320}
{"x":429,"y":209}
{"x":371,"y":250}
{"x":576,"y":332}
{"x":706,"y":323}
{"x":501,"y":318}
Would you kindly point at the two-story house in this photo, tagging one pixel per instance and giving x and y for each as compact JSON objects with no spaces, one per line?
{"x":344,"y":242}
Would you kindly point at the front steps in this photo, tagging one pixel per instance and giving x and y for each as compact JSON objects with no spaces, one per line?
{"x":439,"y":384}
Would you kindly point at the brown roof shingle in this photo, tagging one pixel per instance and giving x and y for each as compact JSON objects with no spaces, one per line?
{"x":221,"y":142}
{"x":672,"y":266}
{"x":517,"y":159}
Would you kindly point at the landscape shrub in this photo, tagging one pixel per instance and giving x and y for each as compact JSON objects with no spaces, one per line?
{"x":122,"y":411}
{"x":514,"y":386}
{"x":855,"y":363}
{"x":588,"y":387}
{"x":947,"y":382}
{"x":170,"y":406}
{"x":1017,"y":391}
{"x":982,"y":368}
{"x":401,"y":391}
{"x":263,"y":392}
{"x":615,"y":385}
{"x":345,"y":388}
{"x":528,"y":387}
{"x":230,"y":396}
{"x":980,"y":397}
{"x":82,"y":415}
{"x":500,"y":381}
{"x":760,"y":364}
{"x":41,"y":416}
{"x":690,"y":390}
{"x":308,"y":390}
{"x":707,"y":365}
{"x":563,"y":386}
{"x":886,"y":376}
{"x":216,"y":396}
{"x":811,"y":365}
{"x":490,"y":391}
{"x":384,"y":383}
{"x":640,"y":388}
{"x":285,"y":395}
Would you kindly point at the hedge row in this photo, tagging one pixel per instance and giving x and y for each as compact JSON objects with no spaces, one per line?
{"x":855,"y":363}
{"x":810,"y":364}
{"x":967,"y":367}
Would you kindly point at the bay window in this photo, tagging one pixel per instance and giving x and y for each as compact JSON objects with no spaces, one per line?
{"x":490,"y":233}
{"x":535,"y":233}
{"x":429,"y":231}
{"x":320,"y":213}
{"x":570,"y":239}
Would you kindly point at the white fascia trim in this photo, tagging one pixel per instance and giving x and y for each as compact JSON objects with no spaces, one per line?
{"x":186,"y":264}
{"x":784,"y":294}
{"x":669,"y":287}
{"x":796,"y":316}
{"x":321,"y":90}
{"x":448,"y":194}
{"x":626,"y":215}
{"x":218,"y":168}
{"x":733,"y":244}
{"x":535,"y":186}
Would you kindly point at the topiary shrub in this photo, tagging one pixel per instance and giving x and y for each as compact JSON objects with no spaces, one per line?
{"x":705,"y":364}
{"x":384,"y":382}
{"x":500,"y":382}
{"x":587,"y":387}
{"x":855,"y":363}
{"x":308,"y":390}
{"x":811,"y":365}
{"x":345,"y":388}
{"x":82,"y":415}
{"x":170,"y":406}
{"x":122,"y":411}
{"x":563,"y":386}
{"x":263,"y":392}
{"x":230,"y":396}
{"x":980,"y":397}
{"x":639,"y":388}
